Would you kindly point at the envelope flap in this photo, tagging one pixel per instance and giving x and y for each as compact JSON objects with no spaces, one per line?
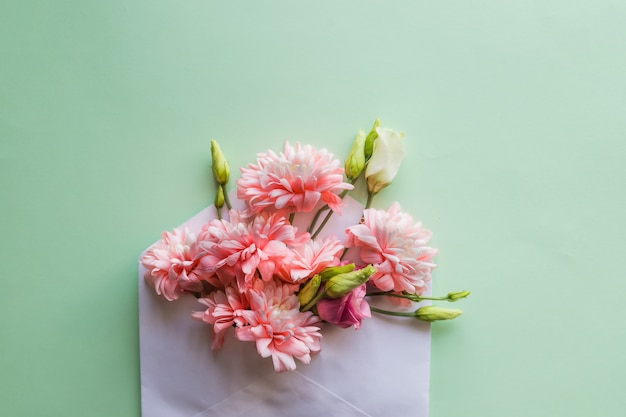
{"x":292,"y":393}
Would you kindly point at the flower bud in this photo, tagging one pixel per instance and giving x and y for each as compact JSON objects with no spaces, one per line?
{"x":342,"y":284}
{"x":331,"y":271}
{"x":455,"y":296}
{"x":309,"y":291}
{"x":432,"y":313}
{"x":219,"y":197}
{"x":346,"y":311}
{"x":369,"y":141}
{"x":385,"y":161}
{"x":355,"y":162}
{"x":221,"y":170}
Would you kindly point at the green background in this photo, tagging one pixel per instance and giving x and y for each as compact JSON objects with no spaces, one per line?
{"x":516,"y":134}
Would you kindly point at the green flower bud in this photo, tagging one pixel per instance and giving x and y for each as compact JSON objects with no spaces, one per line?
{"x":309,"y":291}
{"x":219,"y":197}
{"x":369,"y":141}
{"x":221,"y":170}
{"x":331,"y":271}
{"x":355,"y":162}
{"x":454,"y":296}
{"x":432,"y":313}
{"x":341,"y":284}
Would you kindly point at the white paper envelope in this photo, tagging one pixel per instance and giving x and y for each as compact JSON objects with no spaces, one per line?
{"x":380,"y":370}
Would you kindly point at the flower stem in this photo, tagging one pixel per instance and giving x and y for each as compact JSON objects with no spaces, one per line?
{"x":227,"y":199}
{"x":393,"y":313}
{"x":330,"y":213}
{"x":291,"y":217}
{"x":370,"y":197}
{"x":412,"y":297}
{"x":316,"y":218}
{"x":326,"y":219}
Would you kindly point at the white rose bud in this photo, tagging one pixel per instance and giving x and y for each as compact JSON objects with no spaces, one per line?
{"x":386,"y":158}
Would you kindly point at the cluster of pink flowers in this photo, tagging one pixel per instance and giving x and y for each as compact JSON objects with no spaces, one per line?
{"x":264,"y":280}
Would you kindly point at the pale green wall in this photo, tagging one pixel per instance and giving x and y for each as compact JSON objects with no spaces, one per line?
{"x":516,"y":136}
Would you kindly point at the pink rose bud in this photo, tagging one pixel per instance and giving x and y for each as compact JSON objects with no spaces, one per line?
{"x":346,"y":311}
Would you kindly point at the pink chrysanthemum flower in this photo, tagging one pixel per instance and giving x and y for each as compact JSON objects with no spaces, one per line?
{"x":293,"y":181}
{"x":239,"y":248}
{"x":224,"y":310}
{"x":396,"y":248}
{"x":171,"y":264}
{"x":310,"y":259}
{"x":278,"y":327}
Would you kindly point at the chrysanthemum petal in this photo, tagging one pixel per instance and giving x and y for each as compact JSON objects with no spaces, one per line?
{"x":295,"y":180}
{"x":396,"y":247}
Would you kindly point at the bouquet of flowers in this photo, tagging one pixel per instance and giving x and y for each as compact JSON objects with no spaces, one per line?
{"x":266,"y":269}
